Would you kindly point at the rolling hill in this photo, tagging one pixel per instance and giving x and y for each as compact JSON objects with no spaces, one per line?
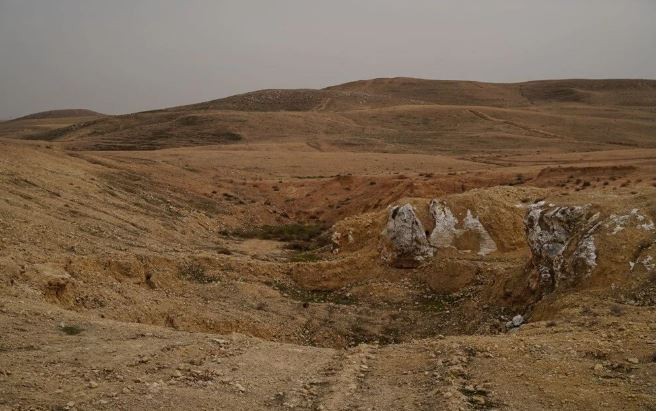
{"x":384,"y":244}
{"x":71,"y":112}
{"x":386,"y":115}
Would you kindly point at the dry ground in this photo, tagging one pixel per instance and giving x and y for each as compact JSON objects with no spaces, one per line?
{"x":198,"y":274}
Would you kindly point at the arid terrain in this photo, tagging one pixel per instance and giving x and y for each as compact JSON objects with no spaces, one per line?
{"x":397,"y":244}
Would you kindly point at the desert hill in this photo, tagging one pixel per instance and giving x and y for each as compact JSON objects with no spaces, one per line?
{"x":472,"y":93}
{"x":300,"y":100}
{"x":34,"y":126}
{"x":390,"y":115}
{"x":189,"y":276}
{"x":72,"y":112}
{"x":401,"y":244}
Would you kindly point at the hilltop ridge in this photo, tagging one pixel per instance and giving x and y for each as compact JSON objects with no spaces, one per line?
{"x":384,"y":115}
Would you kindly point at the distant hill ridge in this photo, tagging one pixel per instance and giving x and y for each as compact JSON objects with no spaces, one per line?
{"x":70,"y":112}
{"x":455,"y":92}
{"x":387,"y":114}
{"x":387,"y":92}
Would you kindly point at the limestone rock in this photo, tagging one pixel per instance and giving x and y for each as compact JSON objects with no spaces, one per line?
{"x":447,"y":232}
{"x":561,"y":241}
{"x":405,"y":241}
{"x":487,"y":244}
{"x":445,"y":224}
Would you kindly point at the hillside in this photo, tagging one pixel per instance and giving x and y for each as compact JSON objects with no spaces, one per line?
{"x":399,"y":244}
{"x":254,"y":278}
{"x":472,"y":93}
{"x":34,"y":126}
{"x":72,"y":112}
{"x":390,"y":115}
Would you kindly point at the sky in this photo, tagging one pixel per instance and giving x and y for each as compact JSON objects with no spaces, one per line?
{"x":123,"y":56}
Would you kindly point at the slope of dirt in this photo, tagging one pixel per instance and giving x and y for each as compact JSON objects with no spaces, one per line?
{"x":473,"y":93}
{"x":139,"y":257}
{"x":388,"y":115}
{"x":29,"y":127}
{"x":72,"y":112}
{"x":254,"y":272}
{"x":299,"y":100}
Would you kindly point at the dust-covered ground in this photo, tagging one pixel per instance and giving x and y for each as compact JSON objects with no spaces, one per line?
{"x":283,"y":269}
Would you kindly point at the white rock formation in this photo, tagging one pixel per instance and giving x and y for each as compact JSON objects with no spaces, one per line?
{"x":618,"y":222}
{"x":445,"y":224}
{"x":487,"y":244}
{"x":561,"y":241}
{"x":446,"y":228}
{"x":406,"y":244}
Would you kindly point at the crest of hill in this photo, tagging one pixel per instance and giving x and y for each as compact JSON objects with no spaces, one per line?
{"x":627,"y":92}
{"x":301,"y":100}
{"x":71,"y":112}
{"x":393,"y":114}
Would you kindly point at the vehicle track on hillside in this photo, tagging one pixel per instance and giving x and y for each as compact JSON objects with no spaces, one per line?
{"x":344,"y":379}
{"x":521,"y":126}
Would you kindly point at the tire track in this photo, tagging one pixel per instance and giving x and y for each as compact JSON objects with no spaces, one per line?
{"x":341,"y":392}
{"x":542,"y":133}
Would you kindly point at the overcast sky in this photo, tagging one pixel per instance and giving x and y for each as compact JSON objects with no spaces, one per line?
{"x":122,"y":56}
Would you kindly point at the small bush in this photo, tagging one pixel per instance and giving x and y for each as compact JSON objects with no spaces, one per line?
{"x":305,"y":257}
{"x":229,"y":136}
{"x":71,"y":329}
{"x":616,"y":310}
{"x":285,"y":232}
{"x":587,"y":311}
{"x":193,"y":271}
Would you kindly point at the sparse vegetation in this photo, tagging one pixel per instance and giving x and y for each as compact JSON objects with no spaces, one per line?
{"x":140,"y":244}
{"x":312,"y":296}
{"x":304,"y":257}
{"x":194,"y":271}
{"x":616,"y":310}
{"x":72,"y":329}
{"x":286,"y":232}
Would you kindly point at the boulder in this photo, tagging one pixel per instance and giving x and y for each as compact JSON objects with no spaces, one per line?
{"x":561,"y":240}
{"x":405,"y":241}
{"x":445,"y":224}
{"x":448,"y":232}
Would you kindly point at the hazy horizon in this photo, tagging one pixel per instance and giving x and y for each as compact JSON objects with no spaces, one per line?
{"x":123,"y":57}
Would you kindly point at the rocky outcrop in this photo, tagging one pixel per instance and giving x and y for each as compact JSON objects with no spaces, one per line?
{"x":445,"y":224}
{"x":407,"y":244}
{"x":616,"y":223}
{"x":447,"y":232}
{"x":561,"y":240}
{"x":486,"y":243}
{"x":405,"y":241}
